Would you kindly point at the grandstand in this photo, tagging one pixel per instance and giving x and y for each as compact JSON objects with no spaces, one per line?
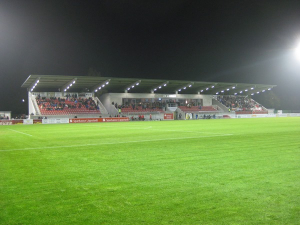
{"x":82,"y":96}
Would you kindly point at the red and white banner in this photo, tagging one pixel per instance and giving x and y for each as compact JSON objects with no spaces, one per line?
{"x":98,"y":120}
{"x":85,"y":120}
{"x":116,"y":119}
{"x":168,"y":116}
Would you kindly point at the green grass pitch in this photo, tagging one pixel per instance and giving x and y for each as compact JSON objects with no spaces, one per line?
{"x":234,"y":171}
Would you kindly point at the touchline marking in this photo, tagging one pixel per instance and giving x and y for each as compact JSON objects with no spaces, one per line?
{"x":109,"y":143}
{"x":20,"y":132}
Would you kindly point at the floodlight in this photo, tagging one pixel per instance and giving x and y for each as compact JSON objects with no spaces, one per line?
{"x":212,"y":86}
{"x":132,"y":86}
{"x":227,"y":89}
{"x":201,"y":91}
{"x":179,"y":90}
{"x":159,"y":87}
{"x":252,"y":88}
{"x":190,"y":85}
{"x":96,"y":90}
{"x":257,"y":92}
{"x":246,"y":90}
{"x":241,"y":92}
{"x":128,"y":89}
{"x":252,"y":94}
{"x":103,"y":85}
{"x":165,"y":85}
{"x":217,"y":93}
{"x":269,"y":89}
{"x":107,"y":82}
{"x":71,"y":85}
{"x":155,"y":89}
{"x":184,"y":88}
{"x":65,"y":90}
{"x":233,"y":87}
{"x":222,"y":91}
{"x":235,"y":93}
{"x":99,"y":88}
{"x":74,"y":82}
{"x":263,"y":90}
{"x":206,"y":88}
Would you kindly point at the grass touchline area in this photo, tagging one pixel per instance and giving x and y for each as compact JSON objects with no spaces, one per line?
{"x":235,"y":171}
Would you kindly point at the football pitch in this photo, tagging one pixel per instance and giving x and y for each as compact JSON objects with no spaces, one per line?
{"x":231,"y":171}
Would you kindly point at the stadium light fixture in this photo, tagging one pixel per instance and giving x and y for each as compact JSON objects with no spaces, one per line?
{"x":101,"y":85}
{"x":35,"y":84}
{"x":217,"y":93}
{"x":133,"y":85}
{"x":185,"y":87}
{"x":164,"y":84}
{"x":69,"y":84}
{"x":235,"y":93}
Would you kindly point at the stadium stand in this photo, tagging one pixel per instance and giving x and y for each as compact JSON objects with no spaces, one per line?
{"x":65,"y":106}
{"x":242,"y":104}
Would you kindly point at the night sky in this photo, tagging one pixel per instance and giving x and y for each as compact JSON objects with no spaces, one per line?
{"x":226,"y":41}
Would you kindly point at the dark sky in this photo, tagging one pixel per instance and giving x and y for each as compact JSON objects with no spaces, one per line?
{"x":236,"y":41}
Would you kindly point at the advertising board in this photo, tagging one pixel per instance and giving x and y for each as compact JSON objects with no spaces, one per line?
{"x":168,"y":116}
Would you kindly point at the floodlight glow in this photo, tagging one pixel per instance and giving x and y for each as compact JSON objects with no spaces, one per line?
{"x":65,"y":90}
{"x":128,"y":89}
{"x":227,"y":89}
{"x":206,"y":88}
{"x":252,"y":94}
{"x":107,"y":82}
{"x":179,"y":90}
{"x":252,"y":88}
{"x":96,"y":90}
{"x":201,"y":91}
{"x":74,"y":82}
{"x":235,"y":93}
{"x":184,"y":88}
{"x":190,"y":85}
{"x":132,"y":86}
{"x":68,"y":87}
{"x":241,"y":92}
{"x":217,"y":93}
{"x":155,"y":89}
{"x":38,"y":80}
{"x":103,"y":85}
{"x":137,"y":83}
{"x":165,"y":85}
{"x":246,"y":90}
{"x":31,"y":89}
{"x":99,"y":88}
{"x":257,"y":92}
{"x":233,"y":87}
{"x":222,"y":91}
{"x":297,"y":51}
{"x":269,"y":89}
{"x":263,"y":90}
{"x":159,"y":87}
{"x":212,"y":86}
{"x":71,"y":85}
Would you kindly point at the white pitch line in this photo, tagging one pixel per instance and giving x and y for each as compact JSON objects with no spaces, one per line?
{"x":110,"y":143}
{"x":20,"y":132}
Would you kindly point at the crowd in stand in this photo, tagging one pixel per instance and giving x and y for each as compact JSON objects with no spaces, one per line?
{"x":239,"y":103}
{"x":140,"y":106}
{"x":71,"y":102}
